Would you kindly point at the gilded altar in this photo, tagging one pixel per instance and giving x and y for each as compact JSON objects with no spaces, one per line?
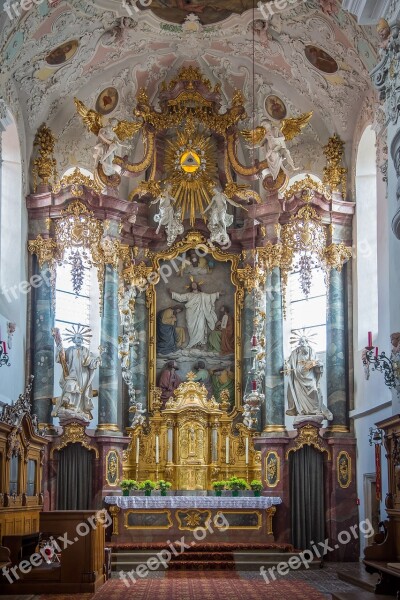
{"x":191,"y":443}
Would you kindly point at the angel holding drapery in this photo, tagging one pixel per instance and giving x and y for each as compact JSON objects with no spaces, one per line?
{"x":110,"y":136}
{"x":273,"y":139}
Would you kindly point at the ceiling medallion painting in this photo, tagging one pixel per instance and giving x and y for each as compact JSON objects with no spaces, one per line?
{"x":275,"y":107}
{"x":107,"y":101}
{"x":208,"y":11}
{"x":63,"y":53}
{"x":321,"y":60}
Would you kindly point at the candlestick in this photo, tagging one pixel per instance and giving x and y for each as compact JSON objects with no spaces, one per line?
{"x":254,"y":341}
{"x":254,"y":386}
{"x":227,"y":450}
{"x":247,"y":450}
{"x":137,"y":450}
{"x":157,"y":450}
{"x":376,"y":352}
{"x":369,"y":339}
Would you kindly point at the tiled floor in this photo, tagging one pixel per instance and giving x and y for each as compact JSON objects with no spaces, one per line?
{"x":324,"y":580}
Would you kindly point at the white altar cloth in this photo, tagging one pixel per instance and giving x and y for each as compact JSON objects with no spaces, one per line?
{"x":193,"y":501}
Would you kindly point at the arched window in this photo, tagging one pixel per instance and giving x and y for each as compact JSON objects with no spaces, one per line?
{"x":366,"y":239}
{"x":13,"y":263}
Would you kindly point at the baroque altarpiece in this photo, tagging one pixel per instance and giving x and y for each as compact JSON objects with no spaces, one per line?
{"x":192,"y":268}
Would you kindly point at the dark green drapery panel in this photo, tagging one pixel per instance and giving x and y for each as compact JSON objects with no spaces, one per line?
{"x":74,"y":478}
{"x":307,"y":497}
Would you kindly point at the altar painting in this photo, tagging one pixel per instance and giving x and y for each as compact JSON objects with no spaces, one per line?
{"x":195,"y":326}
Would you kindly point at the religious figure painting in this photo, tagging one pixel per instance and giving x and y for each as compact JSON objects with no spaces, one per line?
{"x":275,"y":107}
{"x":320,"y":59}
{"x":208,"y":11}
{"x":62,"y":53}
{"x":195,"y":327}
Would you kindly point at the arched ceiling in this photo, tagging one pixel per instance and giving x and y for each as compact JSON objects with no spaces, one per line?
{"x":107,"y":47}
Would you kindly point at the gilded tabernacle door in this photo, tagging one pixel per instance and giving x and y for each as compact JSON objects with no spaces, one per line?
{"x":195,"y":320}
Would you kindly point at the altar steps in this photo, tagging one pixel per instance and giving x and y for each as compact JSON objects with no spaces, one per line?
{"x":239,"y":560}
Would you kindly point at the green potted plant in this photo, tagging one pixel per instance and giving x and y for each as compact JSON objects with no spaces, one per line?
{"x":163,"y":486}
{"x":127,"y":485}
{"x":218,"y":487}
{"x":236,"y":484}
{"x":257,"y":487}
{"x":148,"y":486}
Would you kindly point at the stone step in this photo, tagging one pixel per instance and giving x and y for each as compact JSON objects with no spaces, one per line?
{"x":244,"y":561}
{"x":359,"y":578}
{"x":360,"y":595}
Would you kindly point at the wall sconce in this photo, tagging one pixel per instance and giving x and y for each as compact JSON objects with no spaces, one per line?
{"x":375,"y":436}
{"x":390,"y":367}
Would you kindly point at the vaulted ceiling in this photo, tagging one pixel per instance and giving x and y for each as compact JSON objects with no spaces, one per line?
{"x":100,"y":44}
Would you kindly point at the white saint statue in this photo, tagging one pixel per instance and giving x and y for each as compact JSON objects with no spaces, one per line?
{"x":108,"y":146}
{"x":219,"y":219}
{"x":200,"y":313}
{"x":79,"y":366}
{"x":277,"y":153}
{"x":304,"y":373}
{"x":167,"y":216}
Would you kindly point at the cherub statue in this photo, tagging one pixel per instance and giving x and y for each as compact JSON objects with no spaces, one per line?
{"x":219,"y":219}
{"x":139,"y":411}
{"x":247,"y":416}
{"x":126,"y":305}
{"x":167,"y":216}
{"x":123,"y":350}
{"x":274,"y":139}
{"x":110,"y":137}
{"x":78,"y":368}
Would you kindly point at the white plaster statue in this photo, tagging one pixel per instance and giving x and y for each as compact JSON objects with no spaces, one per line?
{"x":277,"y":153}
{"x":167,"y":216}
{"x":138,"y":418}
{"x":219,"y":219}
{"x":123,"y":350}
{"x":79,"y":366}
{"x":304,"y":394}
{"x":107,"y":148}
{"x":247,"y":416}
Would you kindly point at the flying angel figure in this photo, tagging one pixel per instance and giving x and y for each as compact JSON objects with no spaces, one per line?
{"x":110,"y":136}
{"x":274,"y":139}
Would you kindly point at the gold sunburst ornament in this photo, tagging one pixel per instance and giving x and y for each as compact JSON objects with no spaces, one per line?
{"x":191,"y":168}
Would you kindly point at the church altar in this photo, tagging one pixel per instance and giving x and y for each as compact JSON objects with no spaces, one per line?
{"x":222,"y":518}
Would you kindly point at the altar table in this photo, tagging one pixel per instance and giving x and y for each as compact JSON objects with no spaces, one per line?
{"x":222,"y":518}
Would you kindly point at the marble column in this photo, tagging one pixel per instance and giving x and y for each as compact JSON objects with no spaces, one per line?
{"x":336,"y":356}
{"x":43,"y":346}
{"x":109,"y":370}
{"x":139,"y":356}
{"x":274,"y":406}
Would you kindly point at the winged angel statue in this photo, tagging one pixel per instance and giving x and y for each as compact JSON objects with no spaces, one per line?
{"x":274,"y":140}
{"x":110,"y":136}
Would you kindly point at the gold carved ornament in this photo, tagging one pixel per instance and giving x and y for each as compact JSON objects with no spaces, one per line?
{"x":308,"y":436}
{"x":74,"y":433}
{"x":76,"y":181}
{"x":112,"y":468}
{"x":79,"y":239}
{"x":195,"y":239}
{"x":343,"y":468}
{"x":45,"y":165}
{"x":335,"y":175}
{"x":272,"y":469}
